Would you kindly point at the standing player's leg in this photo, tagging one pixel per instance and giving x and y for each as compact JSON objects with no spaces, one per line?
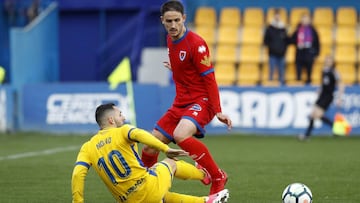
{"x":185,"y":171}
{"x":199,"y":152}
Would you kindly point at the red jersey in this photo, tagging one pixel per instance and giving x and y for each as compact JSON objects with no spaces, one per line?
{"x":193,"y":72}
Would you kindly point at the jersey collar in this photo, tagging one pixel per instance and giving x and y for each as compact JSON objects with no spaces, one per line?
{"x":181,"y":38}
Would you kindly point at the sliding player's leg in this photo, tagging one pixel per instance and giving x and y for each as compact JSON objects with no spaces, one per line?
{"x":220,"y":197}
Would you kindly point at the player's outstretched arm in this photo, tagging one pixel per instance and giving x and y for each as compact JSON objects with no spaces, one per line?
{"x":146,"y":138}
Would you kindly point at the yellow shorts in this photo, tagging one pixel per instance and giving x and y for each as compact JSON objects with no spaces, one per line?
{"x":157,"y":184}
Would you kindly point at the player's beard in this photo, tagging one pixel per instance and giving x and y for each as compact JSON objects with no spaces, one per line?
{"x":176,"y":33}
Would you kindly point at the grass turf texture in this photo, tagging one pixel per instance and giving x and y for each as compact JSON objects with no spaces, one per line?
{"x":259,"y":168}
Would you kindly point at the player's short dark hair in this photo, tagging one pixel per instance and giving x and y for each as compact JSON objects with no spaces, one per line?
{"x":101,"y":111}
{"x":172,"y":5}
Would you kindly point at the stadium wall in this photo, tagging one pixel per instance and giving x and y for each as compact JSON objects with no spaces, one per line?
{"x":64,"y":108}
{"x":34,"y":50}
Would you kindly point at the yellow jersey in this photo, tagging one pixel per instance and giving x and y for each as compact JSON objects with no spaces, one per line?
{"x":113,"y":153}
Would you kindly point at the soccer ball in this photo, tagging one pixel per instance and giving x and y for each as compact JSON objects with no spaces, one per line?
{"x":297,"y":193}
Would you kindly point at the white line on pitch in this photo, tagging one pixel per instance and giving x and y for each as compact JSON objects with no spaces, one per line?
{"x":39,"y":153}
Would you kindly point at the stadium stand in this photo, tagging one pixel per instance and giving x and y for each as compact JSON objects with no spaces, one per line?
{"x":345,"y":57}
{"x":253,"y":17}
{"x":325,"y":35}
{"x":295,"y":15}
{"x":228,"y":35}
{"x":323,"y":17}
{"x":270,"y":14}
{"x":230,"y":16}
{"x":346,"y":36}
{"x":205,"y":16}
{"x":226,"y":54}
{"x":251,"y":36}
{"x":208,"y":33}
{"x":243,"y":31}
{"x":248,"y":74}
{"x":225,"y":73}
{"x":346,"y":16}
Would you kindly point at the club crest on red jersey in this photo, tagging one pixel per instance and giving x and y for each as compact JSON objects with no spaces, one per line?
{"x":182,"y":55}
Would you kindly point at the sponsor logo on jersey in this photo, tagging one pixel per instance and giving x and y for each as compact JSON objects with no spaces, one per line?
{"x":206,"y":61}
{"x":196,"y":107}
{"x":182,"y":55}
{"x":202,"y":49}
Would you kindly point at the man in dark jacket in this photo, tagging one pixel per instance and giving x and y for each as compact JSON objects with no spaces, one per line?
{"x":307,"y":44}
{"x":276,"y":40}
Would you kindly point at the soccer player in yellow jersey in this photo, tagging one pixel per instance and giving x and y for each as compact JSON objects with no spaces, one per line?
{"x":113,"y":153}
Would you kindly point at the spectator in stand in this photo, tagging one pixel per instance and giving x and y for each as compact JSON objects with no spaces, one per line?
{"x":276,"y":40}
{"x":307,"y":44}
{"x":33,"y":11}
{"x":10,"y":11}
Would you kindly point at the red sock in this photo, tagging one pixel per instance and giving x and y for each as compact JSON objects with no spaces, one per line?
{"x":203,"y":156}
{"x":149,"y":159}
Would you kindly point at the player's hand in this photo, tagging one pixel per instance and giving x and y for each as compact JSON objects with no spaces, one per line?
{"x":172,"y":153}
{"x":167,"y":65}
{"x":224,"y":119}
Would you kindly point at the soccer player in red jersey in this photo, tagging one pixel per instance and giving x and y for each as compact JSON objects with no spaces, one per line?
{"x":197,"y":96}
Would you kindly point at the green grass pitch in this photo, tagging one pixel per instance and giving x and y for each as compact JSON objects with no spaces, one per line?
{"x":259,"y":168}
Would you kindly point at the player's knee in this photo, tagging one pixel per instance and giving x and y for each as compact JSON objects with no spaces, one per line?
{"x":171,"y":163}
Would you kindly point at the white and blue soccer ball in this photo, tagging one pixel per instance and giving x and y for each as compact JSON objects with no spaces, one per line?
{"x":297,"y":193}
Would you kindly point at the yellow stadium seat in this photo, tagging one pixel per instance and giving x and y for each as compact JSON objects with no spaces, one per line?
{"x":207,"y":33}
{"x":252,"y":36}
{"x":346,"y":16}
{"x":347,"y":73}
{"x":226,"y":54}
{"x":225,"y":73}
{"x":228,"y":35}
{"x":230,"y":16}
{"x":345,"y":58}
{"x":205,"y":16}
{"x":346,"y":36}
{"x":290,"y":76}
{"x":295,"y":15}
{"x":324,"y":51}
{"x":325,"y":35}
{"x":316,"y":74}
{"x":290,"y":54}
{"x":265,"y":77}
{"x":253,"y":17}
{"x":270,"y":14}
{"x":248,"y":74}
{"x":250,"y":54}
{"x":323,"y":17}
{"x":345,"y":54}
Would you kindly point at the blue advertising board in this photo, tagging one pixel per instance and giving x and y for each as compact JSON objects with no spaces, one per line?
{"x":260,"y":110}
{"x":71,"y":108}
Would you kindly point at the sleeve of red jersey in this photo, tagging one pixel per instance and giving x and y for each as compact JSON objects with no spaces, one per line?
{"x":206,"y":69}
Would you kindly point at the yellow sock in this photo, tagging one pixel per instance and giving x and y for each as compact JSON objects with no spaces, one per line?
{"x":186,"y":171}
{"x":172,"y":197}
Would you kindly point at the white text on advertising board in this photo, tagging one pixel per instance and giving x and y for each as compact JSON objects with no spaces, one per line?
{"x":79,"y":108}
